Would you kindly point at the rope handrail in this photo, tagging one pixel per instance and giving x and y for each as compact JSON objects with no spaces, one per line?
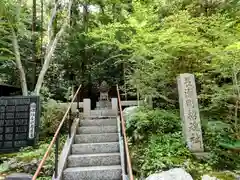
{"x":55,"y":136}
{"x":123,"y":132}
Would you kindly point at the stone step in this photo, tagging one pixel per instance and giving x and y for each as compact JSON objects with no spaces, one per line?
{"x":96,"y":138}
{"x":99,"y":117}
{"x":104,"y":112}
{"x":98,"y":122}
{"x":93,"y":173}
{"x":101,"y":113}
{"x":104,"y":159}
{"x":97,"y":129}
{"x":94,"y":148}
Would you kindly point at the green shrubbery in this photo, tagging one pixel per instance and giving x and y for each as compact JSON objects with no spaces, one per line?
{"x":52,"y":114}
{"x":156,"y":144}
{"x":218,"y":137}
{"x":150,"y":122}
{"x":160,"y":152}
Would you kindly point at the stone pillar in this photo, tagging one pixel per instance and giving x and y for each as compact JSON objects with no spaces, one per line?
{"x":86,"y":107}
{"x":115,"y":105}
{"x":190,"y":112}
{"x":149,"y":101}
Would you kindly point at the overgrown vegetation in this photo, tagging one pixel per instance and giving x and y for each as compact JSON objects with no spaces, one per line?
{"x":157,"y":144}
{"x":51,"y":117}
{"x":143,"y":46}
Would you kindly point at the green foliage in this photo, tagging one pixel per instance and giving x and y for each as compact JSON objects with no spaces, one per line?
{"x":220,"y":141}
{"x":143,"y":45}
{"x":52,"y":114}
{"x":224,"y":175}
{"x":197,"y":168}
{"x":156,"y":139}
{"x":15,"y":18}
{"x":156,"y":144}
{"x":56,"y":83}
{"x":166,"y":38}
{"x":160,"y":152}
{"x":144,"y":123}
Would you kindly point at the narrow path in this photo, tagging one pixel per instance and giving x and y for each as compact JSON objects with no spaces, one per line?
{"x":95,"y":154}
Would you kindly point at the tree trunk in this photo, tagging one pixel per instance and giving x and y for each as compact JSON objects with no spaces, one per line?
{"x":237,"y":90}
{"x":42,"y":29}
{"x":85,"y":53}
{"x":34,"y":49}
{"x":50,"y":51}
{"x":51,"y":21}
{"x":55,"y":21}
{"x":74,"y":14}
{"x":85,"y":26}
{"x":129,"y":6}
{"x":47,"y":60}
{"x":19,"y":64}
{"x":124,"y":79}
{"x":114,"y":9}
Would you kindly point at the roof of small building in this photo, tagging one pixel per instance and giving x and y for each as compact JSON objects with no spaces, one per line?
{"x":8,"y":85}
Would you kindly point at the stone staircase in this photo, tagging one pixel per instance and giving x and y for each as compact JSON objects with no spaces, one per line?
{"x":95,"y":153}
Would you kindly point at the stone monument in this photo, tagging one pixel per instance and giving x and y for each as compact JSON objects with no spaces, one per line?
{"x":103,"y":100}
{"x":189,"y":112}
{"x":19,"y":122}
{"x":87,"y":107}
{"x":114,"y":102}
{"x":104,"y":88}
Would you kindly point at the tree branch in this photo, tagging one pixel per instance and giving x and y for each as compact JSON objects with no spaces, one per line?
{"x":50,"y":52}
{"x":19,"y":63}
{"x":167,"y":99}
{"x":15,"y":44}
{"x":54,"y":12}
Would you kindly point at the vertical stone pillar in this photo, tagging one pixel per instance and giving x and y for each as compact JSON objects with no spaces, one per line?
{"x":115,"y":105}
{"x":86,"y":107}
{"x":190,"y":112}
{"x":149,"y":101}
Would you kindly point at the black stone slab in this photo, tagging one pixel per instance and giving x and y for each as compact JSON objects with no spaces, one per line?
{"x":19,"y":122}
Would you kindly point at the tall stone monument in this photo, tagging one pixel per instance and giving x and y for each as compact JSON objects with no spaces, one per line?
{"x":190,"y":112}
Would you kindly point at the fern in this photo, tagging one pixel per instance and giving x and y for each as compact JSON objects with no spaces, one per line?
{"x":231,"y":145}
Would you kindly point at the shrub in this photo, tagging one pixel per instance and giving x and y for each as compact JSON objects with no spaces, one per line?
{"x":156,"y":144}
{"x":217,"y":137}
{"x":161,"y":152}
{"x":52,"y":114}
{"x":145,"y":122}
